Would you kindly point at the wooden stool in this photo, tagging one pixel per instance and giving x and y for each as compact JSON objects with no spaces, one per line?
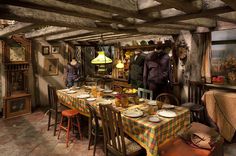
{"x":70,"y":115}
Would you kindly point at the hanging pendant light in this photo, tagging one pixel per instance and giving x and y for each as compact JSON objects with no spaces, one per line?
{"x":101,"y":59}
{"x":120,"y":65}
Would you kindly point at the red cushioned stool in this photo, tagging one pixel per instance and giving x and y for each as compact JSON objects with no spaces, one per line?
{"x":70,"y":115}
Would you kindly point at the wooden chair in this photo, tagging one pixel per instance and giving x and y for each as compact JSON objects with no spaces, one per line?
{"x":114,"y":140}
{"x":145,"y":93}
{"x":195,"y":92}
{"x":95,"y":127}
{"x":53,"y":108}
{"x":168,"y":98}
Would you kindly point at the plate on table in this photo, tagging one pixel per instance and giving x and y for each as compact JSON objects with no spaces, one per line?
{"x":71,"y":92}
{"x":83,"y":96}
{"x":91,"y":99}
{"x":168,"y":106}
{"x":166,"y":113}
{"x":152,"y":102}
{"x":114,"y":93}
{"x":133,"y":113}
{"x":66,"y":90}
{"x":107,"y":91}
{"x":154,"y":119}
{"x":141,"y":100}
{"x":105,"y":102}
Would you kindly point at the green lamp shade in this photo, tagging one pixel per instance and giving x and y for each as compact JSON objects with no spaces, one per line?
{"x":101,"y":59}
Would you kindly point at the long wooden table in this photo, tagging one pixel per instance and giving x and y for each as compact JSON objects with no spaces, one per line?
{"x":148,"y":134}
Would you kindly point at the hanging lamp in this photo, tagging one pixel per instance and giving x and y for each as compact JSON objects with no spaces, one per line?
{"x":101,"y":59}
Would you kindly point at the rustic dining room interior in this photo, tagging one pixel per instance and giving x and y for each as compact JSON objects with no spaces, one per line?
{"x":118,"y":77}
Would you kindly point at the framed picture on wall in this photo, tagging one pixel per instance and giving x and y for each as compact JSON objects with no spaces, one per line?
{"x":45,"y":50}
{"x":55,"y":49}
{"x":51,"y":66}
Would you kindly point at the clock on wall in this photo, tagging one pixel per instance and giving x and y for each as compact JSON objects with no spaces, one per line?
{"x":17,"y":54}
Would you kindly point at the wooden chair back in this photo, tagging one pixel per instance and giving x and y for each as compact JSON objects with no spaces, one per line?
{"x":168,"y":98}
{"x":112,"y":130}
{"x":52,"y":98}
{"x":93,"y":116}
{"x":195,"y":92}
{"x":145,"y":93}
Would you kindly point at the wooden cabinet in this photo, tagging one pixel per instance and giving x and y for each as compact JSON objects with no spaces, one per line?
{"x":16,"y":61}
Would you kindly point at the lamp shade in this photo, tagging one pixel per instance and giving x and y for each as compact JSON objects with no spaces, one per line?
{"x":120,"y":65}
{"x":101,"y":59}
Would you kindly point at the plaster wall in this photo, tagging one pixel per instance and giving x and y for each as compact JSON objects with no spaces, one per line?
{"x":43,"y":80}
{"x":2,"y":85}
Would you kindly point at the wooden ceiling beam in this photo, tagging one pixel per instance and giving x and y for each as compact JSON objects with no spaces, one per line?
{"x":153,"y":9}
{"x":50,"y":30}
{"x":15,"y":28}
{"x":99,"y":37}
{"x":183,"y":5}
{"x":67,"y":35}
{"x":204,"y":13}
{"x":231,"y":3}
{"x":58,"y":8}
{"x":224,"y":19}
{"x":41,"y":5}
{"x":109,"y":6}
{"x":53,"y":19}
{"x":88,"y":35}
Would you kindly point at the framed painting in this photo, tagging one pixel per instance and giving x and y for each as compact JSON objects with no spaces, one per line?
{"x":55,"y":49}
{"x":45,"y":50}
{"x":51,"y":66}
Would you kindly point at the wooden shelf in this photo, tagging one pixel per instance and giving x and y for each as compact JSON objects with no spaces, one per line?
{"x":146,"y":47}
{"x":220,"y":86}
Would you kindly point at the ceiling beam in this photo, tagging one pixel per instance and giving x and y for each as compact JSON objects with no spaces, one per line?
{"x":225,"y":19}
{"x":62,"y":8}
{"x":231,"y":3}
{"x":70,"y":10}
{"x":99,"y":37}
{"x":112,"y":6}
{"x":204,"y":13}
{"x":67,"y":35}
{"x":53,"y":19}
{"x":88,"y":35}
{"x":183,"y":5}
{"x":153,"y":9}
{"x":50,"y":30}
{"x":15,"y":28}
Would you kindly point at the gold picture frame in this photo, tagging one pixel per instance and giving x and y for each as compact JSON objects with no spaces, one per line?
{"x":45,"y":50}
{"x":51,"y":66}
{"x":55,"y":49}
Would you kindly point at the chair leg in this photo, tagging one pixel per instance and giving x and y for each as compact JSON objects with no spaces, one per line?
{"x":55,"y":124}
{"x":90,"y":134}
{"x":78,"y":126}
{"x":60,"y":127}
{"x":49,"y":119}
{"x":68,"y":131}
{"x":95,"y":141}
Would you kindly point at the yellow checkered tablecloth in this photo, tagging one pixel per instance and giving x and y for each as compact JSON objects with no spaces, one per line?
{"x":148,"y":134}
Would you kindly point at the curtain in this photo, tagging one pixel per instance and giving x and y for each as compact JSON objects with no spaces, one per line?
{"x":206,"y":57}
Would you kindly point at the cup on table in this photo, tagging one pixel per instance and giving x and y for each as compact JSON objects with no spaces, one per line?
{"x":159,"y":104}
